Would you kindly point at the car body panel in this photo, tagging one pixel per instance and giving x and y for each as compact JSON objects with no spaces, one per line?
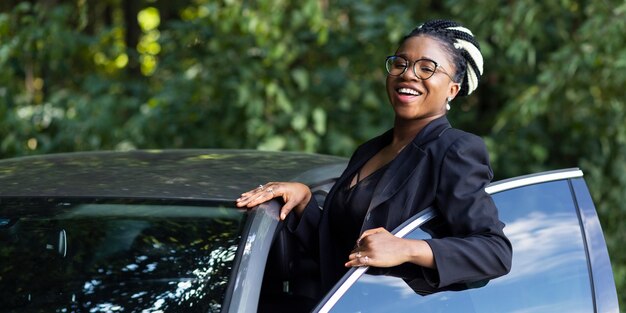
{"x":605,"y":294}
{"x":245,"y":286}
{"x":213,"y":176}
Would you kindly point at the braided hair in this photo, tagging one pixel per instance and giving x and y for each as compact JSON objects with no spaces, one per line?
{"x":461,"y":45}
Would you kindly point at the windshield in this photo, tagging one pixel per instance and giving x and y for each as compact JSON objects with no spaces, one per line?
{"x":64,"y":256}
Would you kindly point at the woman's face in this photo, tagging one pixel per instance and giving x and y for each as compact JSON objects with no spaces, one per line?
{"x":416,"y":99}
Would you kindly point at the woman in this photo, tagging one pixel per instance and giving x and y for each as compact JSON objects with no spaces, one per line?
{"x":421,"y":162}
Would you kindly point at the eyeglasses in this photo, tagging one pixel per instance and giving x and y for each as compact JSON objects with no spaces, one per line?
{"x":423,"y":68}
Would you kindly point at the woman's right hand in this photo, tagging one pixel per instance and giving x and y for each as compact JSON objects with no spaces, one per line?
{"x":295,"y":195}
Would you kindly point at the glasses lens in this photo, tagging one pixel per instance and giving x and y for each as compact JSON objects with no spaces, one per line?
{"x":396,"y":65}
{"x":424,"y":69}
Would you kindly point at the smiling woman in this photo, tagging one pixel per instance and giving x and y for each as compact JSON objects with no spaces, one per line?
{"x":426,"y":91}
{"x":422,"y":162}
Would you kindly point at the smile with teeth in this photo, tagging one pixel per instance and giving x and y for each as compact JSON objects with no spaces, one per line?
{"x":409,"y":91}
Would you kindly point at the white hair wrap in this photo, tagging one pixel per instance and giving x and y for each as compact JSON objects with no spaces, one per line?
{"x":462,"y":29}
{"x":466,"y":46}
{"x":472,"y":80}
{"x":477,"y":57}
{"x":473,"y":51}
{"x":472,"y":76}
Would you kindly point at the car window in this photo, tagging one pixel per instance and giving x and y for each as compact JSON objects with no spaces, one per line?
{"x":549,"y":271}
{"x":61,"y":256}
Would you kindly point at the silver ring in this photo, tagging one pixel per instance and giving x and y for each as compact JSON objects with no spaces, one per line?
{"x":272,"y":191}
{"x":366,"y":260}
{"x":260,"y":187}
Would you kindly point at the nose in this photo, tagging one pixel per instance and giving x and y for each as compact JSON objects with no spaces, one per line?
{"x":410,"y":71}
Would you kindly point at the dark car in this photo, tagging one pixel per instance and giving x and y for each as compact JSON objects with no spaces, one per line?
{"x":158,"y":231}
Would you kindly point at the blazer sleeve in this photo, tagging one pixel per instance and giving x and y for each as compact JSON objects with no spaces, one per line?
{"x":475,"y":247}
{"x":306,"y":227}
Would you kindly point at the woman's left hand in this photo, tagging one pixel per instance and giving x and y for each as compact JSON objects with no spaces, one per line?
{"x":378,"y":247}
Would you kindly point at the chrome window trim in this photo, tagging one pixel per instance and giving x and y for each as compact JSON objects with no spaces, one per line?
{"x":356,"y":273}
{"x":526,"y":180}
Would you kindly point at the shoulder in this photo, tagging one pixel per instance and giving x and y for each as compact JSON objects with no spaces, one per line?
{"x":466,"y":153}
{"x":453,"y":140}
{"x":458,"y":140}
{"x":457,"y":136}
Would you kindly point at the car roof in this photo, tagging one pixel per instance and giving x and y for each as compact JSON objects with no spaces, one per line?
{"x":204,"y":174}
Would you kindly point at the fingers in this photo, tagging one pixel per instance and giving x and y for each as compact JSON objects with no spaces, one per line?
{"x":286,"y":209}
{"x":369,"y":232}
{"x":258,"y":195}
{"x":363,"y":254}
{"x":358,"y":259}
{"x":267,"y":189}
{"x":250,"y":195}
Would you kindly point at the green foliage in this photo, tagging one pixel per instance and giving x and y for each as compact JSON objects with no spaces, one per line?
{"x":568,"y":106}
{"x":308,"y":75}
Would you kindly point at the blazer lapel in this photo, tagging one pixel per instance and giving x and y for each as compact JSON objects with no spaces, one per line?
{"x":401,"y":169}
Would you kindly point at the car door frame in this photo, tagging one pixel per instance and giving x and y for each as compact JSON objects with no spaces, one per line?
{"x":242,"y":294}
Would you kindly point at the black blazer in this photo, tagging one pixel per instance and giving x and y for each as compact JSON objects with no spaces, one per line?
{"x":442,"y":167}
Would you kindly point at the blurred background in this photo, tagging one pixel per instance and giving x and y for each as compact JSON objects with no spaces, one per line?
{"x":308,"y":75}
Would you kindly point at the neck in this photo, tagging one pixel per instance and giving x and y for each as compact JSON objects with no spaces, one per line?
{"x":404,"y":131}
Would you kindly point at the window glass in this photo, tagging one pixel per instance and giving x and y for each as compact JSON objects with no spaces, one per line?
{"x":60,"y":256}
{"x":549,"y":272}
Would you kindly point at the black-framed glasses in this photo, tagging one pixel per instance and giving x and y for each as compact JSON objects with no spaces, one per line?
{"x":422,"y":68}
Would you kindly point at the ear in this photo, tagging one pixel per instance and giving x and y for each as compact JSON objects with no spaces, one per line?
{"x":453,"y":90}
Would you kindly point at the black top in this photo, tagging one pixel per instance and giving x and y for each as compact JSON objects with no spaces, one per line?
{"x":348,"y":209}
